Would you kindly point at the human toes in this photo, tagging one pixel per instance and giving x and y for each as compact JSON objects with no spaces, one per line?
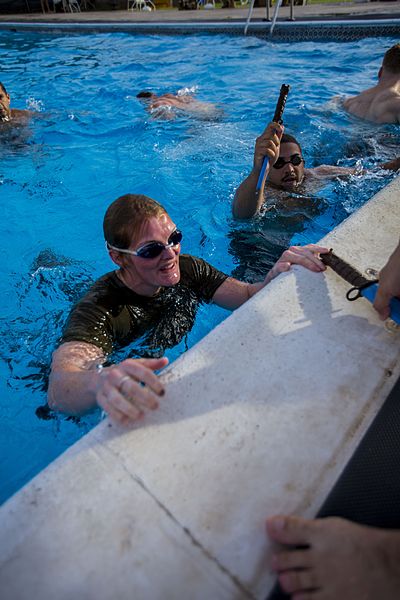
{"x":294,"y":559}
{"x":289,"y":530}
{"x":297,"y":581}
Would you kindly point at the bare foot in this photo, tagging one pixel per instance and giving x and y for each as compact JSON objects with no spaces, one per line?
{"x":337,"y":559}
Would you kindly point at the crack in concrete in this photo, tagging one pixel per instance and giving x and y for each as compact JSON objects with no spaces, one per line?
{"x":235,"y":580}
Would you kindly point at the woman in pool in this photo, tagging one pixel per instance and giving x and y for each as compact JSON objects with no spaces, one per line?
{"x":153,"y":295}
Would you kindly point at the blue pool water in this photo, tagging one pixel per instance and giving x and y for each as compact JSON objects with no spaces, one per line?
{"x":93,"y":142}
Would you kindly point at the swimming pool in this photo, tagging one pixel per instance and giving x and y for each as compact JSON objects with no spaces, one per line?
{"x":93,"y":142}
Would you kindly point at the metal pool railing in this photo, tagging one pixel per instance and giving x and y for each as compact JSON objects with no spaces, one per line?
{"x":267,"y":17}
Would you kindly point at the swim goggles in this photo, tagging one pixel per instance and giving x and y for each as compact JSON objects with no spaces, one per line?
{"x":295,"y":159}
{"x":152,"y":249}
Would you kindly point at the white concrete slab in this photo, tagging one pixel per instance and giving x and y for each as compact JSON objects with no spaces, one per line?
{"x":260,"y":417}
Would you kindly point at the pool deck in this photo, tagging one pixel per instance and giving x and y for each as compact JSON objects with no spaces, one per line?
{"x":309,"y":12}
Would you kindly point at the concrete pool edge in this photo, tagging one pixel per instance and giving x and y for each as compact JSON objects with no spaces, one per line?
{"x":260,"y":416}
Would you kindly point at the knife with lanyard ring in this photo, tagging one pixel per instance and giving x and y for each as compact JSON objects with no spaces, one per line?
{"x":362,"y":287}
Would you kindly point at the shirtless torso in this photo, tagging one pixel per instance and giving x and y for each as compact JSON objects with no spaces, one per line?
{"x":379,"y":104}
{"x":19,"y":116}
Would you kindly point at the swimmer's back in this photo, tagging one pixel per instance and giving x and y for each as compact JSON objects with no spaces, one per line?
{"x":376,"y":106}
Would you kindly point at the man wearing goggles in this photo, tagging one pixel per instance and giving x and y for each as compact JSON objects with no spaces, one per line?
{"x":153,"y":295}
{"x":285,"y":171}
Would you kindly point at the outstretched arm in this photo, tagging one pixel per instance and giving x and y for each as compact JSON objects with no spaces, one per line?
{"x":125,"y":391}
{"x":233,"y":293}
{"x":247,"y":202}
{"x":331,"y":171}
{"x":389,"y":284}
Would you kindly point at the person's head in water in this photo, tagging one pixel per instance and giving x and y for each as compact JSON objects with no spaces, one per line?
{"x":146,"y":96}
{"x":288,"y":171}
{"x":5,"y":111}
{"x":391,"y":61}
{"x":144,"y":242}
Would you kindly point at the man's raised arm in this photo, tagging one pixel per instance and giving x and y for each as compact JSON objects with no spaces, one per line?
{"x":247,"y":202}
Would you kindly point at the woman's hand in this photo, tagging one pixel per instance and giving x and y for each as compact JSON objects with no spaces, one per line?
{"x":306,"y":256}
{"x":127,"y":390}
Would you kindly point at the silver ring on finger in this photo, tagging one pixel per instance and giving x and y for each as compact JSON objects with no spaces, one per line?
{"x":122,"y":381}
